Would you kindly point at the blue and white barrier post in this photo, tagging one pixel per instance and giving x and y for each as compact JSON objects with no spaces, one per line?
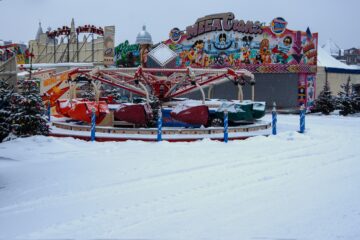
{"x":49,"y":111}
{"x":226,"y":126}
{"x":302,"y":118}
{"x":274,"y":119}
{"x":159,"y":126}
{"x":93,"y":124}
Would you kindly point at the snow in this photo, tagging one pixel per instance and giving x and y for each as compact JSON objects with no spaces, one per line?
{"x":260,"y":106}
{"x":289,"y":186}
{"x":230,"y":107}
{"x":355,"y":66}
{"x":186,"y":104}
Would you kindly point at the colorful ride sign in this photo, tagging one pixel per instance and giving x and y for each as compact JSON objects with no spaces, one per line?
{"x":220,"y":40}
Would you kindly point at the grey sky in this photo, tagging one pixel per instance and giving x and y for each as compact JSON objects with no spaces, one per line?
{"x":335,"y":19}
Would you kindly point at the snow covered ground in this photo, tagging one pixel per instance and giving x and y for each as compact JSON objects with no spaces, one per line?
{"x":289,"y":186}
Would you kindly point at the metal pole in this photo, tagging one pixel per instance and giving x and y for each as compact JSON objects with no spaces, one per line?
{"x":226,"y":125}
{"x":49,"y":111}
{"x":31,"y":58}
{"x":210,"y":91}
{"x":54,"y":50}
{"x":92,"y":48}
{"x":202,"y":92}
{"x":93,"y":124}
{"x":302,"y":118}
{"x":159,"y":125}
{"x":68,"y":48}
{"x":274,"y":119}
{"x":146,"y":91}
{"x":240,"y":93}
{"x":77,"y":47}
{"x":252,"y":83}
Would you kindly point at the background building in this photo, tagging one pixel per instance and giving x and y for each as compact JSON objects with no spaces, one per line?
{"x":349,"y":56}
{"x":335,"y":72}
{"x":74,"y":44}
{"x":352,"y":56}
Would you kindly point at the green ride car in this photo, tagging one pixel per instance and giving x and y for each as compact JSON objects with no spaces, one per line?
{"x":245,"y":112}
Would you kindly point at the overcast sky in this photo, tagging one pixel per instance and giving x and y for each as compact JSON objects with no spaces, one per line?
{"x":335,"y":19}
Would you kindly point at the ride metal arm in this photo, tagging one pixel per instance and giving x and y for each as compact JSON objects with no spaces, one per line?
{"x":185,"y":81}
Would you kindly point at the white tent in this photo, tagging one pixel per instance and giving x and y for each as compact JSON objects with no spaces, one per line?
{"x":331,"y":47}
{"x":326,"y":60}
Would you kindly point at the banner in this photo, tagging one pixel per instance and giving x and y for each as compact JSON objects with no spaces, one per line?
{"x":109,"y":36}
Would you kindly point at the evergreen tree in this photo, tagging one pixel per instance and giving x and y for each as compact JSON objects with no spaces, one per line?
{"x":355,"y":100}
{"x":325,"y":102}
{"x":5,"y":111}
{"x":344,"y":101}
{"x":28,"y":113}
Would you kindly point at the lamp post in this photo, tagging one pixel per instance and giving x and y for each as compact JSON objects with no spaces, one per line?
{"x":226,"y":126}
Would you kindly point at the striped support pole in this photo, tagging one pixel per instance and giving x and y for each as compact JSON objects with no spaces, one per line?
{"x":49,"y":111}
{"x":93,"y":124}
{"x":226,"y":125}
{"x":274,"y":119}
{"x":159,"y":126}
{"x":302,"y":119}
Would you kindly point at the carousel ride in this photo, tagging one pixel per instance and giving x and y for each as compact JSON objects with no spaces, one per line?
{"x":161,"y":90}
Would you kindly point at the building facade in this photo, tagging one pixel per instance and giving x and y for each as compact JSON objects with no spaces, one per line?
{"x":352,"y":56}
{"x":284,"y":61}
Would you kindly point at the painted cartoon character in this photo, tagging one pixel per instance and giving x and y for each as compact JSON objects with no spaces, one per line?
{"x":198,"y":54}
{"x":236,"y":59}
{"x":185,"y":61}
{"x":231,"y":60}
{"x":264,"y":46}
{"x":144,"y":51}
{"x":191,"y":56}
{"x":279,"y":56}
{"x":264,"y":51}
{"x":199,"y":50}
{"x":220,"y":59}
{"x":247,"y":41}
{"x":267,"y":57}
{"x":287,"y":41}
{"x":258,"y":59}
{"x":246,"y":55}
{"x":222,"y":40}
{"x":206,"y":61}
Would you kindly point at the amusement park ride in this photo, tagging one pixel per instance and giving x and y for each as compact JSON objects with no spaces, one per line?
{"x":162,"y":91}
{"x":161,"y":88}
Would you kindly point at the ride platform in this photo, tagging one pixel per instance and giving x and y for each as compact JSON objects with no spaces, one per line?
{"x":170,"y":134}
